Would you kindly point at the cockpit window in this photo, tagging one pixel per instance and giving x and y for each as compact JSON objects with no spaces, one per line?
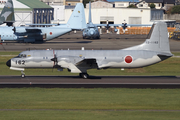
{"x":22,"y":55}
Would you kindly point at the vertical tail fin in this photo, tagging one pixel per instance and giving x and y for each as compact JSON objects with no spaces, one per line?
{"x":157,"y":39}
{"x":7,"y":14}
{"x":77,"y":19}
{"x":90,"y":19}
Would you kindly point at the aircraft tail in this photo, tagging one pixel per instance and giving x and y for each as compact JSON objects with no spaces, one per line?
{"x":90,"y":19}
{"x":7,"y":14}
{"x":77,"y":19}
{"x":157,"y":40}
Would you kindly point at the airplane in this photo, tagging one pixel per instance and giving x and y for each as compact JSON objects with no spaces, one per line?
{"x":155,"y":49}
{"x":42,"y":34}
{"x":7,"y":14}
{"x":91,"y":31}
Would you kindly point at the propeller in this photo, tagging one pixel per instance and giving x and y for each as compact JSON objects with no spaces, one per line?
{"x":55,"y":61}
{"x":124,"y":26}
{"x":107,"y":26}
{"x":14,"y":29}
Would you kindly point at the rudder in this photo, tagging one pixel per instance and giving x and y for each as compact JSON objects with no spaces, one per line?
{"x":77,"y":19}
{"x":7,"y":14}
{"x":157,"y":39}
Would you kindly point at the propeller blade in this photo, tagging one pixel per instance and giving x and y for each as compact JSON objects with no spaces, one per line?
{"x":14,"y":29}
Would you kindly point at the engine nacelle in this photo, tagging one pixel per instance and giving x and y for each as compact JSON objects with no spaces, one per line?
{"x":19,"y":30}
{"x":115,"y":30}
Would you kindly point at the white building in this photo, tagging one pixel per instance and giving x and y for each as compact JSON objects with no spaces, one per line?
{"x":115,"y":15}
{"x":121,"y":4}
{"x":100,"y":4}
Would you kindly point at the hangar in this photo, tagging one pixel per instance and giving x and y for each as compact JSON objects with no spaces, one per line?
{"x":30,"y":11}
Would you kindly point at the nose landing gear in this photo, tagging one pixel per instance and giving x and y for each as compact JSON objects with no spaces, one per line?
{"x":22,"y":74}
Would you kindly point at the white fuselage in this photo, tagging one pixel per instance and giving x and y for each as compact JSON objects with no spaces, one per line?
{"x":21,"y":33}
{"x":104,"y":58}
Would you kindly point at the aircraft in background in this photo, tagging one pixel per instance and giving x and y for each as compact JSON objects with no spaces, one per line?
{"x":32,"y":34}
{"x":7,"y":14}
{"x":153,"y":50}
{"x":91,"y":31}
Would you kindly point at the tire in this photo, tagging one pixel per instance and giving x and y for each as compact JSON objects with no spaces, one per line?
{"x":23,"y":75}
{"x":84,"y":75}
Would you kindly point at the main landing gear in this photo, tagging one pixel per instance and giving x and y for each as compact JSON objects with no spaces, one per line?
{"x":22,"y":74}
{"x":83,"y":75}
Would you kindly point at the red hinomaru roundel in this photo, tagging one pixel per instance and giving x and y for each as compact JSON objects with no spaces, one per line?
{"x":128,"y":59}
{"x":50,"y":33}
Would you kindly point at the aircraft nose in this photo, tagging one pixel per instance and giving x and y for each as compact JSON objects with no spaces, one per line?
{"x":8,"y":63}
{"x":91,"y":32}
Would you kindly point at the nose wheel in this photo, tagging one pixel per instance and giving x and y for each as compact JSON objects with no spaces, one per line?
{"x":84,"y":75}
{"x":22,"y":74}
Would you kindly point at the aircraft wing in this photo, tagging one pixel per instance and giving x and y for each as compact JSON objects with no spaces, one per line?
{"x":42,"y":24}
{"x":88,"y":63}
{"x":100,"y":25}
{"x":32,"y":30}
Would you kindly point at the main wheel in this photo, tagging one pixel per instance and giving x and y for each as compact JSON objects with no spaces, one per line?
{"x":84,"y":75}
{"x":22,"y":75}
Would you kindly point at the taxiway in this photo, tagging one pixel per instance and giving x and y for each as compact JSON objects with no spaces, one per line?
{"x":93,"y":82}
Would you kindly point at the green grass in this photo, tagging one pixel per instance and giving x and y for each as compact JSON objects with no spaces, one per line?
{"x":99,"y":103}
{"x":176,"y":53}
{"x":87,"y":115}
{"x":10,"y":53}
{"x":169,"y":67}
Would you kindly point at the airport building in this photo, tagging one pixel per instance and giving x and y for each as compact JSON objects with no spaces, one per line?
{"x":104,"y":11}
{"x":30,"y":11}
{"x":59,"y":11}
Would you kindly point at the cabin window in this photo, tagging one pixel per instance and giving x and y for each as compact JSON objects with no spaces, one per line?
{"x":22,"y":55}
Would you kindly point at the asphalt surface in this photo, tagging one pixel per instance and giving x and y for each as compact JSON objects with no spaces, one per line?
{"x":92,"y":82}
{"x":74,"y":42}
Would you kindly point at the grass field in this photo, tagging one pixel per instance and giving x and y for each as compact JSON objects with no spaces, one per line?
{"x":169,"y":67}
{"x":99,"y":104}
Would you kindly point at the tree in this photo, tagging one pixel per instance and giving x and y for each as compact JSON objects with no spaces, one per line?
{"x":168,"y":11}
{"x":132,"y":6}
{"x":175,"y":9}
{"x":152,"y":5}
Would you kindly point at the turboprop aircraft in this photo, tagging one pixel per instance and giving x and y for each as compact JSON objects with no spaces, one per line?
{"x":33,"y":34}
{"x":153,"y":50}
{"x":7,"y":14}
{"x":91,"y":30}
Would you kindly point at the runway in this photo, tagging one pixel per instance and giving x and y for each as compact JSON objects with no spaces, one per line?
{"x":93,"y":82}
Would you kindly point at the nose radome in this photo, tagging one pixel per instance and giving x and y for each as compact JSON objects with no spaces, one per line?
{"x":8,"y":63}
{"x":91,"y":32}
